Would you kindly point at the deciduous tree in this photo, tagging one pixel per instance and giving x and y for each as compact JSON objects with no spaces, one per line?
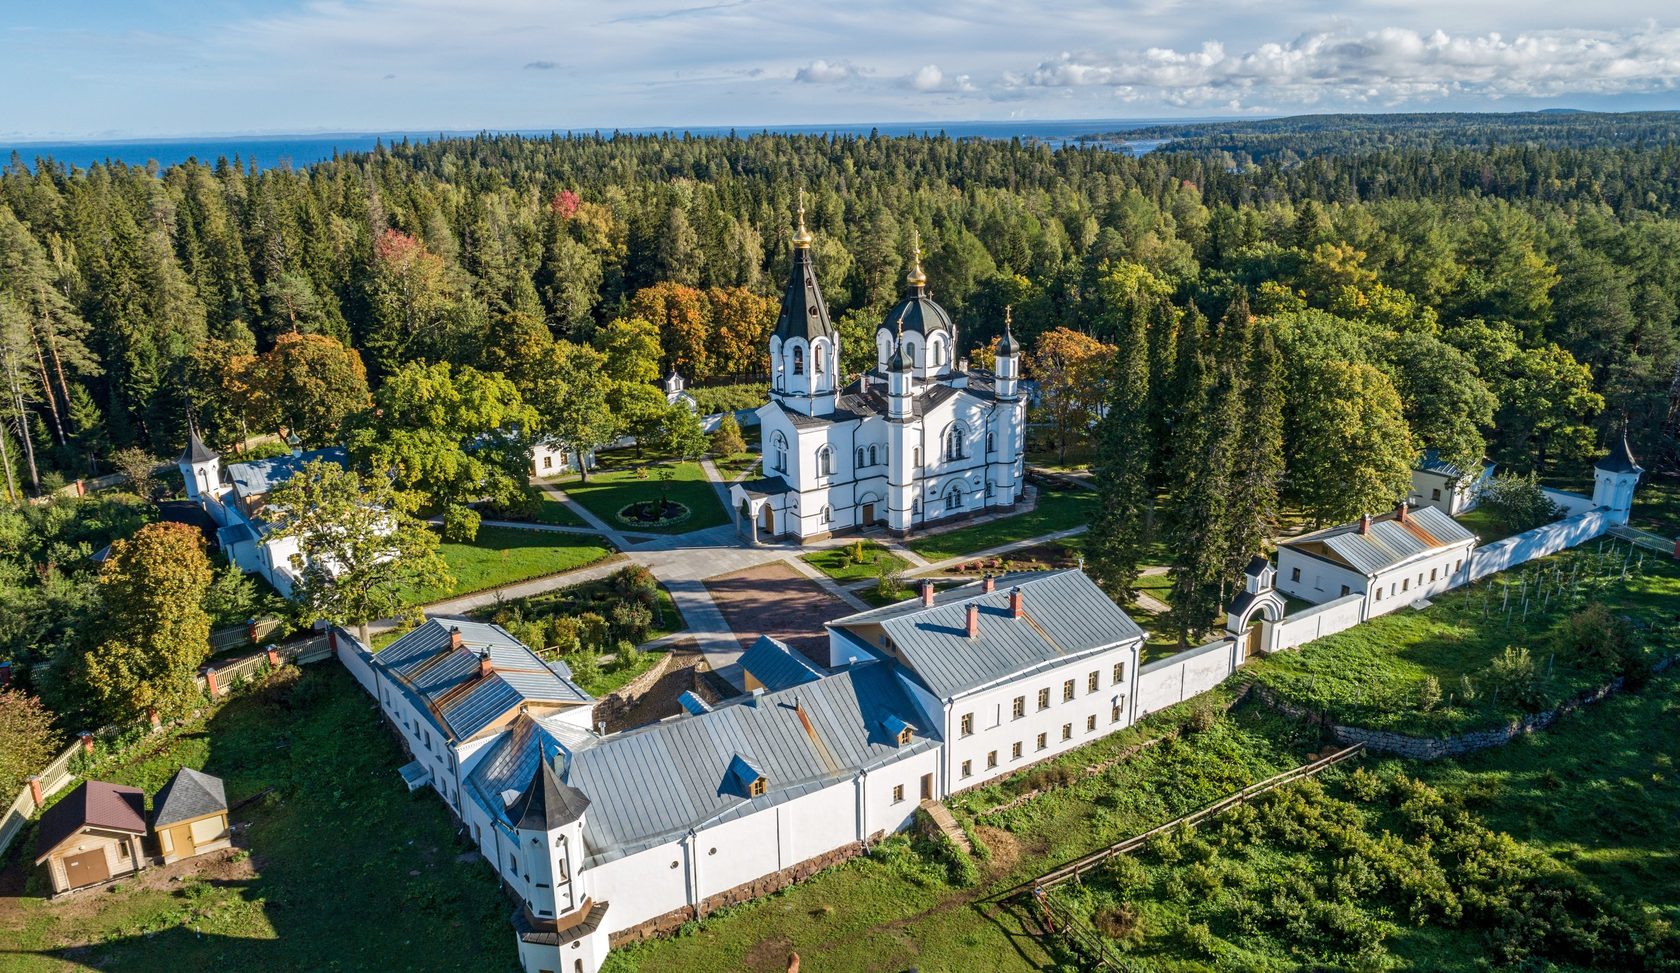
{"x":1069,"y":368}
{"x":1353,"y":449}
{"x":26,"y":737}
{"x":307,"y":385}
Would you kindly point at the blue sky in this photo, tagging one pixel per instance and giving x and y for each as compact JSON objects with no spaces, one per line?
{"x":138,"y":68}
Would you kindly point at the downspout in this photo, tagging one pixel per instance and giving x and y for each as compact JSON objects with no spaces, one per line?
{"x":863,"y":808}
{"x":694,"y":897}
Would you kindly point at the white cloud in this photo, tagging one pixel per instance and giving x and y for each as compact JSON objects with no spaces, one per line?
{"x":822,"y":71}
{"x":1378,"y":68}
{"x":931,"y":78}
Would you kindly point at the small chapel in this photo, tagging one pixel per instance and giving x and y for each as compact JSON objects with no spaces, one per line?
{"x":919,"y":438}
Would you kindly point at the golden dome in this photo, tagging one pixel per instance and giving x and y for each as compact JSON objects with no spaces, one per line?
{"x":916,"y":277}
{"x":802,"y":236}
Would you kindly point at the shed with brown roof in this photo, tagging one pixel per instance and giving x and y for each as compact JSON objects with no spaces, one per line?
{"x":92,"y":836}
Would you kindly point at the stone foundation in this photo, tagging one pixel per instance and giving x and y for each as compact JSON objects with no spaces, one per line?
{"x":756,"y":889}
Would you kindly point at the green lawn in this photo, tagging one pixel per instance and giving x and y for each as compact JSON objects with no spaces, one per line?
{"x":1480,"y":523}
{"x":1656,"y":506}
{"x":1370,"y":675}
{"x":615,"y":485}
{"x":618,"y":673}
{"x":897,"y":908}
{"x":731,"y":467}
{"x":552,"y":511}
{"x":332,"y":814}
{"x":503,"y":555}
{"x":840,"y":563}
{"x":1056,"y":510}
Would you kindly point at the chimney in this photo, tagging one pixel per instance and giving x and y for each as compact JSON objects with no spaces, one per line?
{"x":1016,"y":609}
{"x":973,"y":621}
{"x":927,"y":594}
{"x":485,"y":667}
{"x":1400,"y":512}
{"x":989,"y":585}
{"x":455,"y":638}
{"x":1364,"y":523}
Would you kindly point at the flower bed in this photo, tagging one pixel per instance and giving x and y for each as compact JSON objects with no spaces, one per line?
{"x":653,"y":513}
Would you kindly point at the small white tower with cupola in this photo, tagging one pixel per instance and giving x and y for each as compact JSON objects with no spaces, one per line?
{"x":1614,"y":478}
{"x":201,"y":466}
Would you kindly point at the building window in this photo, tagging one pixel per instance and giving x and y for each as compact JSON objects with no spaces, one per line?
{"x":778,"y":452}
{"x":1067,"y":731}
{"x":758,"y":787}
{"x":1044,"y":698}
{"x":1067,"y":691}
{"x":991,"y":490}
{"x":1432,"y":574}
{"x":918,"y":456}
{"x":991,"y":760}
{"x":1114,"y":713}
{"x":548,"y":462}
{"x":1294,"y":574}
{"x":1405,"y":584}
{"x":1043,"y":741}
{"x":1015,"y":750}
{"x":1379,"y":594}
{"x":954,"y":442}
{"x":818,"y":359}
{"x":968,"y":724}
{"x":860,"y":462}
{"x":1344,"y":591}
{"x":1119,"y":673}
{"x":953,"y":497}
{"x":1091,"y":682}
{"x":898,"y":793}
{"x":1019,"y":708}
{"x":1091,"y":723}
{"x":872,"y":459}
{"x":825,"y":462}
{"x":798,"y":361}
{"x":968,"y":768}
{"x":991,"y":442}
{"x":1435,"y":494}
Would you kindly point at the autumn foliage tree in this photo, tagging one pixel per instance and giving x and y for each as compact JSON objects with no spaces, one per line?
{"x":156,"y":632}
{"x":26,"y":735}
{"x":307,"y":385}
{"x":1070,"y":369}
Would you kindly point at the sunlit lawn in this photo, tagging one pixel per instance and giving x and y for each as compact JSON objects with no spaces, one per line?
{"x":503,"y":555}
{"x":616,"y":485}
{"x":1057,"y":510}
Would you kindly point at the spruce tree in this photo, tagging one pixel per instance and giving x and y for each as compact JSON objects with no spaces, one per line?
{"x":1206,"y":435}
{"x":1119,"y":531}
{"x":1257,"y":468}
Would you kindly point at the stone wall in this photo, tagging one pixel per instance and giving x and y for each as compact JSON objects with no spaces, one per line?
{"x":758,"y":888}
{"x":1428,"y":748}
{"x":631,"y":693}
{"x":1539,"y":542}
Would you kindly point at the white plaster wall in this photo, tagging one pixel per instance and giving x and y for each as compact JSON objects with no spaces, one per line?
{"x":1539,"y":542}
{"x":1320,"y":581}
{"x":739,"y":851}
{"x":995,"y":727}
{"x":641,"y":886}
{"x":1172,"y":680}
{"x":1318,"y":621}
{"x":1572,"y":503}
{"x":881,"y":812}
{"x":1401,"y":585}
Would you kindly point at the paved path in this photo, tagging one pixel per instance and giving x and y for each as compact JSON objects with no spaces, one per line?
{"x":929,"y":567}
{"x":829,"y":585}
{"x":480,"y":600}
{"x":527,"y":525}
{"x":607,"y":530}
{"x":718,"y":484}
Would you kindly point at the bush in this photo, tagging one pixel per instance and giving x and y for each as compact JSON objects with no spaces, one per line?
{"x":1201,"y":718}
{"x":631,"y":620}
{"x":592,"y":631}
{"x":727,"y":440}
{"x":563,"y":633}
{"x":460,"y":524}
{"x":1598,"y":637}
{"x":1517,"y":503}
{"x":1122,"y":923}
{"x":585,"y":665}
{"x":1512,"y":674}
{"x":889,"y":584}
{"x":1428,"y":693}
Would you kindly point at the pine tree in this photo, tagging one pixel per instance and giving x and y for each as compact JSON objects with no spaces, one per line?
{"x":1120,"y":529}
{"x":1257,"y":473}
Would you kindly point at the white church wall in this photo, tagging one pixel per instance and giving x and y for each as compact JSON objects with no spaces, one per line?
{"x":642,"y":886}
{"x":1539,"y":542}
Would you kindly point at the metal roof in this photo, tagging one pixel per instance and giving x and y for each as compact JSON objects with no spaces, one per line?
{"x":777,"y":666}
{"x":1064,"y":614}
{"x":1390,"y":542}
{"x":238,"y":532}
{"x":919,"y":312}
{"x":93,"y":804}
{"x":649,"y":785}
{"x":188,"y":795}
{"x":262,"y":475}
{"x":1431,"y":462}
{"x":804,"y":313}
{"x":1619,"y":460}
{"x":449,"y":681}
{"x":196,"y":451}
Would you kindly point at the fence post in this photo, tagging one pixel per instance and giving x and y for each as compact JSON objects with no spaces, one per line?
{"x":332,"y":640}
{"x":251,"y":631}
{"x":153,"y":718}
{"x":210,"y":683}
{"x":35,"y":789}
{"x":5,"y":673}
{"x":273,"y":657}
{"x":87,"y":741}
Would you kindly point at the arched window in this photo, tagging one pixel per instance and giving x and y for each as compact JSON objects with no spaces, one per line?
{"x":825,"y":461}
{"x":954,"y":441}
{"x":991,"y":442}
{"x":918,"y":456}
{"x":953,"y":498}
{"x":798,"y":361}
{"x":860,"y":462}
{"x":872,"y":459}
{"x":936,"y":353}
{"x":819,"y":360}
{"x":778,"y":448}
{"x":826,"y":517}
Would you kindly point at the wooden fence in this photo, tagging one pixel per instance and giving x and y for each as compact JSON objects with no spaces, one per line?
{"x":256,"y":632}
{"x":54,"y":778}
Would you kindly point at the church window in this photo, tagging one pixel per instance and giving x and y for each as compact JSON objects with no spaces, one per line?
{"x":826,"y":516}
{"x":818,"y":360}
{"x":860,"y":456}
{"x":991,"y":490}
{"x":954,"y":442}
{"x":798,"y":361}
{"x":991,"y":442}
{"x":825,"y":461}
{"x":779,"y":452}
{"x":918,"y":462}
{"x":953,"y":497}
{"x":872,"y":456}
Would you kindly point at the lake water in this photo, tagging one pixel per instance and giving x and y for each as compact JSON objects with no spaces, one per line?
{"x":302,"y":150}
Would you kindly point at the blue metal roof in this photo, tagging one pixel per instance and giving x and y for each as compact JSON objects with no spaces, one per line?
{"x":262,"y":475}
{"x":692,"y":703}
{"x":775,"y":664}
{"x":1064,"y":615}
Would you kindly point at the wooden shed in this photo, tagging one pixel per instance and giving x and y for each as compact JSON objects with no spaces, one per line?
{"x":93,"y":835}
{"x":190,"y":816}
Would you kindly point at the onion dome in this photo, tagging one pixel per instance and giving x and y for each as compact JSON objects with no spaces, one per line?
{"x":1007,"y":345}
{"x":804,"y":313}
{"x":900,"y":361}
{"x":918,"y":311}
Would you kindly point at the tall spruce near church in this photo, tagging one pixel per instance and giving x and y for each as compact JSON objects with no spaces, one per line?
{"x":921,"y":437}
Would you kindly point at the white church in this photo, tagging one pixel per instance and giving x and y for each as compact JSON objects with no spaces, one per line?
{"x":917,"y":439}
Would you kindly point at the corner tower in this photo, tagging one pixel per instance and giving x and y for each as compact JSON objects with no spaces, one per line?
{"x":805,"y":347}
{"x":201,"y":466}
{"x":1614,"y":478}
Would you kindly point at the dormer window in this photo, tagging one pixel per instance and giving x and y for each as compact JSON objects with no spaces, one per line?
{"x":900,"y":730}
{"x":904,"y":736}
{"x":758,"y":787}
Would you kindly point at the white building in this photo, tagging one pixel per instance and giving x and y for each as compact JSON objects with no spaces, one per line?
{"x":1442,"y":485}
{"x":233,"y":496}
{"x":918,"y":438}
{"x":1392,"y":560}
{"x":1614,"y":479}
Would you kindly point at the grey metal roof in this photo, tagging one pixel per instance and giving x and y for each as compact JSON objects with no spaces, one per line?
{"x":1064,"y":614}
{"x":449,"y":683}
{"x":262,"y":475}
{"x":547,"y":804}
{"x":1431,"y":462}
{"x":651,"y":784}
{"x":766,"y":486}
{"x":804,"y":314}
{"x":196,"y":451}
{"x":188,"y":795}
{"x":776,"y":665}
{"x":1390,"y":542}
{"x":1619,"y":460}
{"x":238,"y":532}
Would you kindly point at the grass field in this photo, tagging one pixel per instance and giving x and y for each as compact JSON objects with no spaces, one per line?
{"x":345,"y":870}
{"x":1370,"y":675}
{"x":731,"y":467}
{"x":840,"y":564}
{"x":1480,"y":523}
{"x":615,"y":485}
{"x":552,"y":511}
{"x":898,"y":908}
{"x":503,"y":555}
{"x":598,"y":596}
{"x":1057,"y":510}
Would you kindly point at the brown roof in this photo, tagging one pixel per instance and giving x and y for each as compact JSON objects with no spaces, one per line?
{"x":93,"y":804}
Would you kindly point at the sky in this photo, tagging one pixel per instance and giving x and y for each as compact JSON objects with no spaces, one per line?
{"x":101,"y":69}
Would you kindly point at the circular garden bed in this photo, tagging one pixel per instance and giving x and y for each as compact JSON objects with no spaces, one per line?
{"x":653,"y":513}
